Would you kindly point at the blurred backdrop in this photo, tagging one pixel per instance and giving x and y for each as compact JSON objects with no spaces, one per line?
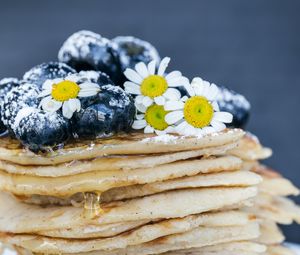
{"x":252,"y":47}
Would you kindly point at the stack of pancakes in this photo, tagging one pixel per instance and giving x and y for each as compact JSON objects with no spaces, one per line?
{"x":141,"y":194}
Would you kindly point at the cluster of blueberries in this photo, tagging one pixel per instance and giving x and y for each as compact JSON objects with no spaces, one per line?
{"x":98,"y":60}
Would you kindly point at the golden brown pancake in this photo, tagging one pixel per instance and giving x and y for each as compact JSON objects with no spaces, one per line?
{"x":128,"y":144}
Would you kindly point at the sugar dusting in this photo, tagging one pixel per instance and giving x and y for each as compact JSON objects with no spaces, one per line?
{"x":16,"y":99}
{"x":225,"y":95}
{"x":78,"y":45}
{"x":23,"y":113}
{"x":5,"y":81}
{"x":37,"y":119}
{"x":166,"y":138}
{"x":123,"y":98}
{"x":56,"y":69}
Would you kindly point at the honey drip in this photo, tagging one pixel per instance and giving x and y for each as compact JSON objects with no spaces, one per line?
{"x":92,"y":206}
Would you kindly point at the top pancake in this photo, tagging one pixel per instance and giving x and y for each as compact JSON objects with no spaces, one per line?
{"x":127,"y":144}
{"x":250,"y":149}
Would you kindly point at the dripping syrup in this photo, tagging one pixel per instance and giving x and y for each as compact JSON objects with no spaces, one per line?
{"x":92,"y":206}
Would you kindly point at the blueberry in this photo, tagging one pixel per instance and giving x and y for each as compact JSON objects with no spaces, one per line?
{"x":113,"y":111}
{"x":38,"y":130}
{"x":236,"y":104}
{"x":24,"y":95}
{"x":40,"y":73}
{"x":86,"y":50}
{"x":6,"y":85}
{"x":132,"y":50}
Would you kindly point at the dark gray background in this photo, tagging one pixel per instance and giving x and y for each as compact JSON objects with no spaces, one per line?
{"x":250,"y":46}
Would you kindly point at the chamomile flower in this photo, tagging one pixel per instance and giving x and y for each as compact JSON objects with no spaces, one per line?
{"x":66,"y":93}
{"x":198,"y":113}
{"x":152,"y":120}
{"x":151,"y":86}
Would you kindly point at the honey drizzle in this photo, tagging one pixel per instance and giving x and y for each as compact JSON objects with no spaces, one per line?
{"x":92,"y":206}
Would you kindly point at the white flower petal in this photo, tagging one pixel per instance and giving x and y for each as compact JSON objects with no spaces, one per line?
{"x":139,"y":124}
{"x":148,"y":129}
{"x":163,"y":66}
{"x":45,"y":93}
{"x":89,"y":85}
{"x":151,"y":67}
{"x":160,"y":132}
{"x":160,"y":100}
{"x":57,"y":80}
{"x":190,"y":130}
{"x":172,"y":75}
{"x":47,"y":85}
{"x":170,"y":130}
{"x":213,"y":92}
{"x":179,"y":129}
{"x":190,"y":90}
{"x":74,"y":104}
{"x":142,"y":69}
{"x":217,"y":125}
{"x":73,"y":77}
{"x":132,"y":88}
{"x":140,"y":116}
{"x":88,"y":89}
{"x":140,"y":107}
{"x":184,"y":98}
{"x":225,"y":117}
{"x":87,"y":93}
{"x":215,"y":106}
{"x":50,"y":105}
{"x":45,"y":101}
{"x":197,"y":81}
{"x":133,"y":76}
{"x":67,"y":112}
{"x":208,"y":130}
{"x":198,"y":89}
{"x":139,"y":99}
{"x":182,"y":81}
{"x":174,"y":105}
{"x":173,"y":117}
{"x":186,"y":129}
{"x":172,"y":94}
{"x":147,"y":101}
{"x":206,"y":89}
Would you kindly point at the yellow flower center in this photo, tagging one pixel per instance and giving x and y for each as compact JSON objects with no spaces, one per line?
{"x":155,"y":117}
{"x":198,"y":111}
{"x":65,"y":90}
{"x":154,"y":86}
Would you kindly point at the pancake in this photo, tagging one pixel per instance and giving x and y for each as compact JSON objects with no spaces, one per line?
{"x":223,"y":179}
{"x":113,"y":162}
{"x":128,"y":144}
{"x":197,"y":237}
{"x":274,"y":184}
{"x":171,"y":226}
{"x":233,"y":248}
{"x":250,"y":149}
{"x":104,"y":180}
{"x":92,"y":231}
{"x":26,"y":218}
{"x":278,"y":250}
{"x":270,"y":233}
{"x":279,"y":209}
